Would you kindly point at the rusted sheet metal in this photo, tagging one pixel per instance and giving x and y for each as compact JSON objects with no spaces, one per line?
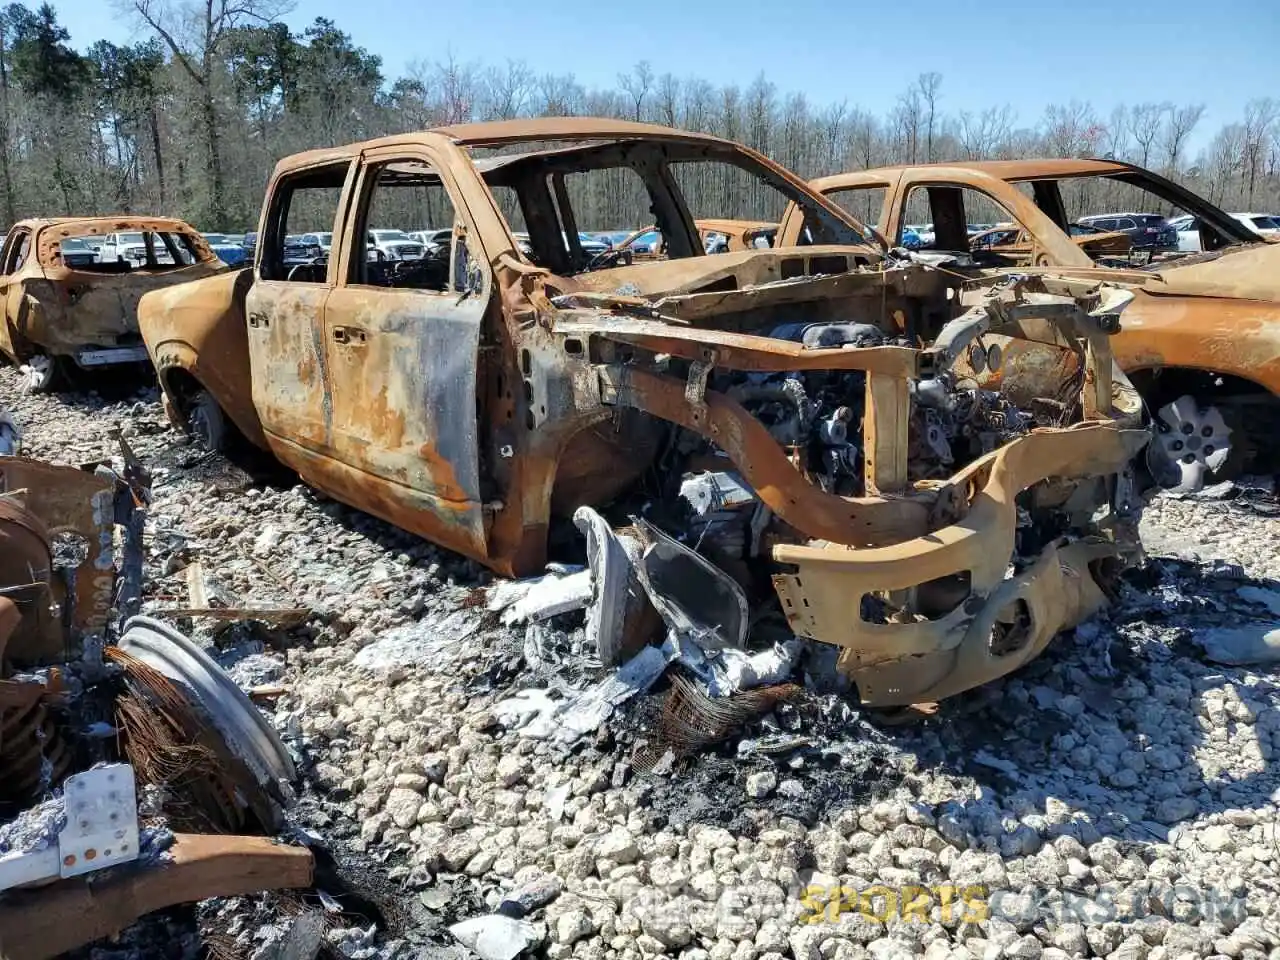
{"x":72,"y":501}
{"x":46,"y":922}
{"x":199,"y":328}
{"x":57,"y":310}
{"x":1218,"y":335}
{"x":739,"y":233}
{"x":822,"y":599}
{"x":749,"y":271}
{"x":742,"y":351}
{"x":26,"y":577}
{"x":402,"y":408}
{"x":1019,"y":245}
{"x":858,"y":521}
{"x":1252,"y":274}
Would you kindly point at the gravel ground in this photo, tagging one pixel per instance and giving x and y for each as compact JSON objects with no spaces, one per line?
{"x":1117,"y":798}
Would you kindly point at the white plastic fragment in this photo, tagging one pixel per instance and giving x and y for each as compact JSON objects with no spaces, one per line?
{"x":497,"y":937}
{"x":1236,"y":646}
{"x":550,"y":596}
{"x":99,"y":829}
{"x":616,"y":590}
{"x":730,"y":671}
{"x":536,"y":715}
{"x":735,"y":670}
{"x":715,"y":490}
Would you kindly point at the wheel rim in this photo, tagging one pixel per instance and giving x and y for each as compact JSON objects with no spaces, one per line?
{"x":1193,"y":443}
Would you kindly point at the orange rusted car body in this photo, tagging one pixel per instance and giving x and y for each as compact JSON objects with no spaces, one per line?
{"x":475,"y":409}
{"x":1207,"y":324}
{"x":1015,"y":243}
{"x":87,"y":314}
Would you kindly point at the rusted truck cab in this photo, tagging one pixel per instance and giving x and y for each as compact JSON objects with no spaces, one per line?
{"x":63,"y":313}
{"x":923,"y":472}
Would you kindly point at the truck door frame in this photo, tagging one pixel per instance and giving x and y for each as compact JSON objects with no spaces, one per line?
{"x":285,"y":321}
{"x":405,"y":378}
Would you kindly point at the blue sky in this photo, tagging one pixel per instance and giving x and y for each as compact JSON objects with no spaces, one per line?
{"x":1026,"y":53}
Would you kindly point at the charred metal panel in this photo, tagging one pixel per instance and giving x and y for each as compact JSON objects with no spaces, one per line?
{"x":70,"y":501}
{"x":402,"y":369}
{"x":285,"y":323}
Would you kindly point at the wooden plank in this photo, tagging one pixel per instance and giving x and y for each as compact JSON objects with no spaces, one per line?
{"x":41,"y":924}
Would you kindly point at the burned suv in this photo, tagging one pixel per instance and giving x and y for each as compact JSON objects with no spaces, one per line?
{"x":68,"y":305}
{"x":922,"y":471}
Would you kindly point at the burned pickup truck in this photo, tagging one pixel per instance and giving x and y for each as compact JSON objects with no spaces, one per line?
{"x":69,"y":304}
{"x":924,"y":472}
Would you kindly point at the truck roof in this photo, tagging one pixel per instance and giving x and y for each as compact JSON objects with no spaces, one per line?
{"x":498,"y":133}
{"x":1011,"y":171}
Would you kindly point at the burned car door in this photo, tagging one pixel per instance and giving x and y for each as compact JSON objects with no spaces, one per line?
{"x":401,"y":342}
{"x":285,"y":315}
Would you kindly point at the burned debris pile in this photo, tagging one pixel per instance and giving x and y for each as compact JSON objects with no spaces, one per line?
{"x":135,"y":774}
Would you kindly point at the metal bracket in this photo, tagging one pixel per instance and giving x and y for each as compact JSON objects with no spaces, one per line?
{"x":101,"y":807}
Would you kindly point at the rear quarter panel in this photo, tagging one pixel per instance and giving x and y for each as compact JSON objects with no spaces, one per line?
{"x":79,"y":308}
{"x":199,"y":327}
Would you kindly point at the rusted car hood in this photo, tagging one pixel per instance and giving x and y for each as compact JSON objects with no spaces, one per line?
{"x":1249,"y":273}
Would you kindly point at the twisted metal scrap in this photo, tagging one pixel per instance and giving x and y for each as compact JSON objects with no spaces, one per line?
{"x":170,"y":744}
{"x":691,"y":721}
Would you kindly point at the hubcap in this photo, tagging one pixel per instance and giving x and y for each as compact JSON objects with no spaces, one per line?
{"x":1194,"y":443}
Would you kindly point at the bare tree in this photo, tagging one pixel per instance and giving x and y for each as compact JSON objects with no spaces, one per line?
{"x":637,"y":84}
{"x":1259,"y":122}
{"x":1178,"y":126}
{"x":1146,"y":120}
{"x":929,"y":84}
{"x":195,"y":31}
{"x":1071,"y":130}
{"x":906,"y":124}
{"x":509,"y":90}
{"x":668,"y":98}
{"x":982,"y":133}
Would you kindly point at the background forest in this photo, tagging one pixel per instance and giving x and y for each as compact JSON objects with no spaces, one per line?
{"x":189,"y":120}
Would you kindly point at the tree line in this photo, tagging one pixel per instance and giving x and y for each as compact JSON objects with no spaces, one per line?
{"x":189,"y":120}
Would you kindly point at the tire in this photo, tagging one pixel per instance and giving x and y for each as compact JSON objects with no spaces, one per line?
{"x":207,"y":423}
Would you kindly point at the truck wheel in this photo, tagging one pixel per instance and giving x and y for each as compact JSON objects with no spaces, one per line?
{"x":207,"y":423}
{"x":1193,"y":446}
{"x":42,"y":373}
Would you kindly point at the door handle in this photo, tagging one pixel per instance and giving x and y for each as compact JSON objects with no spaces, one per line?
{"x":348,"y":335}
{"x":259,"y":320}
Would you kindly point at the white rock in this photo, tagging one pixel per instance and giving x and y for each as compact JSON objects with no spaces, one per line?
{"x":402,"y":806}
{"x":761,"y":784}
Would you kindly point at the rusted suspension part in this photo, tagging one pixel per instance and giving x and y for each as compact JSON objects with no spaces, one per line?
{"x":33,"y":755}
